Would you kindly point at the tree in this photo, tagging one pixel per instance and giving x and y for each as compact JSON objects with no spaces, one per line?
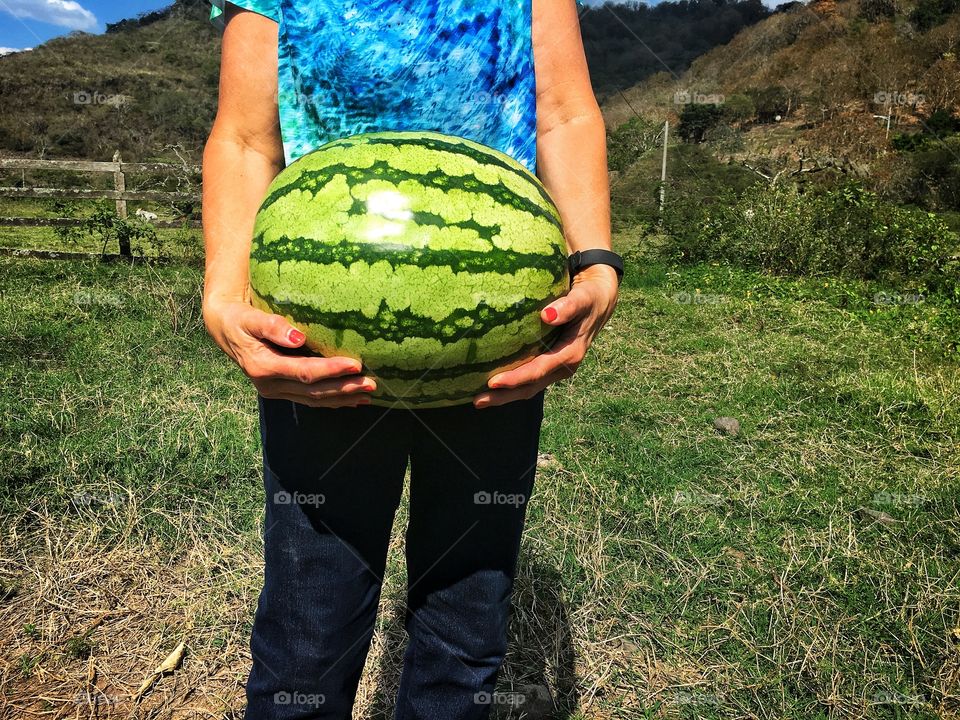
{"x":629,"y":141}
{"x":771,"y":102}
{"x":697,"y":119}
{"x":877,"y":10}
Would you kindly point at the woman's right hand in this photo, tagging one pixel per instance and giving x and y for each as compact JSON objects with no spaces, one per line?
{"x":252,"y":338}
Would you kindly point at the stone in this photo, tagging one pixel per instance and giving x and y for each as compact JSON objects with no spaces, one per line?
{"x":727,"y":426}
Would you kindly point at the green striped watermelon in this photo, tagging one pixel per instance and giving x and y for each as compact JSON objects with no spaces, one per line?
{"x":427,"y":257}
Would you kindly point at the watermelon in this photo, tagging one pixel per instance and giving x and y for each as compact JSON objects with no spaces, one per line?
{"x":425,"y":256}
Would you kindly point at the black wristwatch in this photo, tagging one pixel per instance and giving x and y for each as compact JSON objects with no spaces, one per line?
{"x":597,"y":256}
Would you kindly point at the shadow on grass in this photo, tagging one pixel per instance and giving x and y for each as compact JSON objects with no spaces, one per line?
{"x":540,"y":654}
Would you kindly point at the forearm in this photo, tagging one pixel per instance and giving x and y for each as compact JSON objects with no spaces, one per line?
{"x":572,"y":163}
{"x":235,"y":179}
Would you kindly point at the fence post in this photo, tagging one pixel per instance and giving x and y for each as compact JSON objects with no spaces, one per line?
{"x":120,"y":185}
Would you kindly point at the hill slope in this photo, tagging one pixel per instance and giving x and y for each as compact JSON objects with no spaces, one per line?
{"x":151,"y":82}
{"x":823,"y":59}
{"x":139,"y":89}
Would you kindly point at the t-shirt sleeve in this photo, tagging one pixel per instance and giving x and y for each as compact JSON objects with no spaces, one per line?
{"x":267,"y":8}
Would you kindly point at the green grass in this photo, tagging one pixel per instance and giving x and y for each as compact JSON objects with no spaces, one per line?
{"x":172,"y":242}
{"x":806,"y":568}
{"x":177,"y":242}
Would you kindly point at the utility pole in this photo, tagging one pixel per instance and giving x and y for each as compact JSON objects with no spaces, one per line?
{"x":886,"y":117}
{"x":663,"y":166}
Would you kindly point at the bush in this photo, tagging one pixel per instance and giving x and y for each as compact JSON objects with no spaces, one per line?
{"x":941,"y":122}
{"x":937,"y":164}
{"x":738,"y":108}
{"x":847,"y":231}
{"x":771,"y":102}
{"x":112,"y":230}
{"x":909,"y":142}
{"x":629,"y":141}
{"x":697,"y":119}
{"x":877,"y":10}
{"x":930,"y":13}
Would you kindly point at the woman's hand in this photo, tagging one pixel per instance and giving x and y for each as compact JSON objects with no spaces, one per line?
{"x":582,"y":312}
{"x":253,"y":339}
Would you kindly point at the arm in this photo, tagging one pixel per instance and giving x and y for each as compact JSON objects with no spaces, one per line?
{"x":242,"y":156}
{"x":572,"y":163}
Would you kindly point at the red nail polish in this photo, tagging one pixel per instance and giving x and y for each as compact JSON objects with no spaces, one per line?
{"x":551,"y":314}
{"x":295,"y":336}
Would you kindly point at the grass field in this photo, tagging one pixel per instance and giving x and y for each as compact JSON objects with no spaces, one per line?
{"x":804,"y":568}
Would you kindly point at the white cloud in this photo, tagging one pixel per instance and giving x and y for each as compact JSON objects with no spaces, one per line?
{"x":8,"y":51}
{"x":66,"y":13}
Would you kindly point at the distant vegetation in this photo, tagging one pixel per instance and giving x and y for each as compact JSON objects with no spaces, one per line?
{"x":785,"y":162}
{"x":626,"y":43}
{"x":148,"y":87}
{"x":150,"y":83}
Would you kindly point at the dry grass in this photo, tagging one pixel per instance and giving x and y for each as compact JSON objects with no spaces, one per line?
{"x":807,"y":568}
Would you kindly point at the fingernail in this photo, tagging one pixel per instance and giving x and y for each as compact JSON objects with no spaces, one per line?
{"x":295,"y":336}
{"x":369,"y":385}
{"x":550,"y":313}
{"x":363,"y":401}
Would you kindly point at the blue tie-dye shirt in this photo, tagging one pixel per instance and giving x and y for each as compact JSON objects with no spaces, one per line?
{"x":460,"y":67}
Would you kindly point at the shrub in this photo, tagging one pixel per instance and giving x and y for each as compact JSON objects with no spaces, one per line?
{"x":770,"y":102}
{"x":941,"y":122}
{"x":738,"y":108}
{"x":846,"y":230}
{"x":697,"y":119}
{"x":111,"y":229}
{"x":629,"y":141}
{"x":930,"y":13}
{"x":877,"y":10}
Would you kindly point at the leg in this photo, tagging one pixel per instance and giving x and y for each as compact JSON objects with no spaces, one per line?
{"x":471,"y":475}
{"x":333,"y":480}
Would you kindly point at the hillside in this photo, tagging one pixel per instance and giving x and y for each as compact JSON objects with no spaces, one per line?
{"x":813,"y":87}
{"x":822,"y":59}
{"x":140,"y":88}
{"x":628,"y":43}
{"x":149,"y":84}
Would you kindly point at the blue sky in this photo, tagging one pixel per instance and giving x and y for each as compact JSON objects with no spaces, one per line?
{"x":26,"y":23}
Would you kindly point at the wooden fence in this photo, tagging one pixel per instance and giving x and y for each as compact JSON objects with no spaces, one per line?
{"x":119,"y":194}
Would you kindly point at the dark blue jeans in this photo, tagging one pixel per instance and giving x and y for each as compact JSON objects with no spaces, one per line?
{"x":333,"y":481}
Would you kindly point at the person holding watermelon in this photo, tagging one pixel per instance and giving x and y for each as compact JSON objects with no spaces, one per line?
{"x":295,"y":75}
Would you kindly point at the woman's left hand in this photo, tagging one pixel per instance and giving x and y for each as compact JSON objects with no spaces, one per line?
{"x":582,"y":312}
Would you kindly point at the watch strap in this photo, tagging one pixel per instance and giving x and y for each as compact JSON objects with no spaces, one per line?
{"x":596,"y":256}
